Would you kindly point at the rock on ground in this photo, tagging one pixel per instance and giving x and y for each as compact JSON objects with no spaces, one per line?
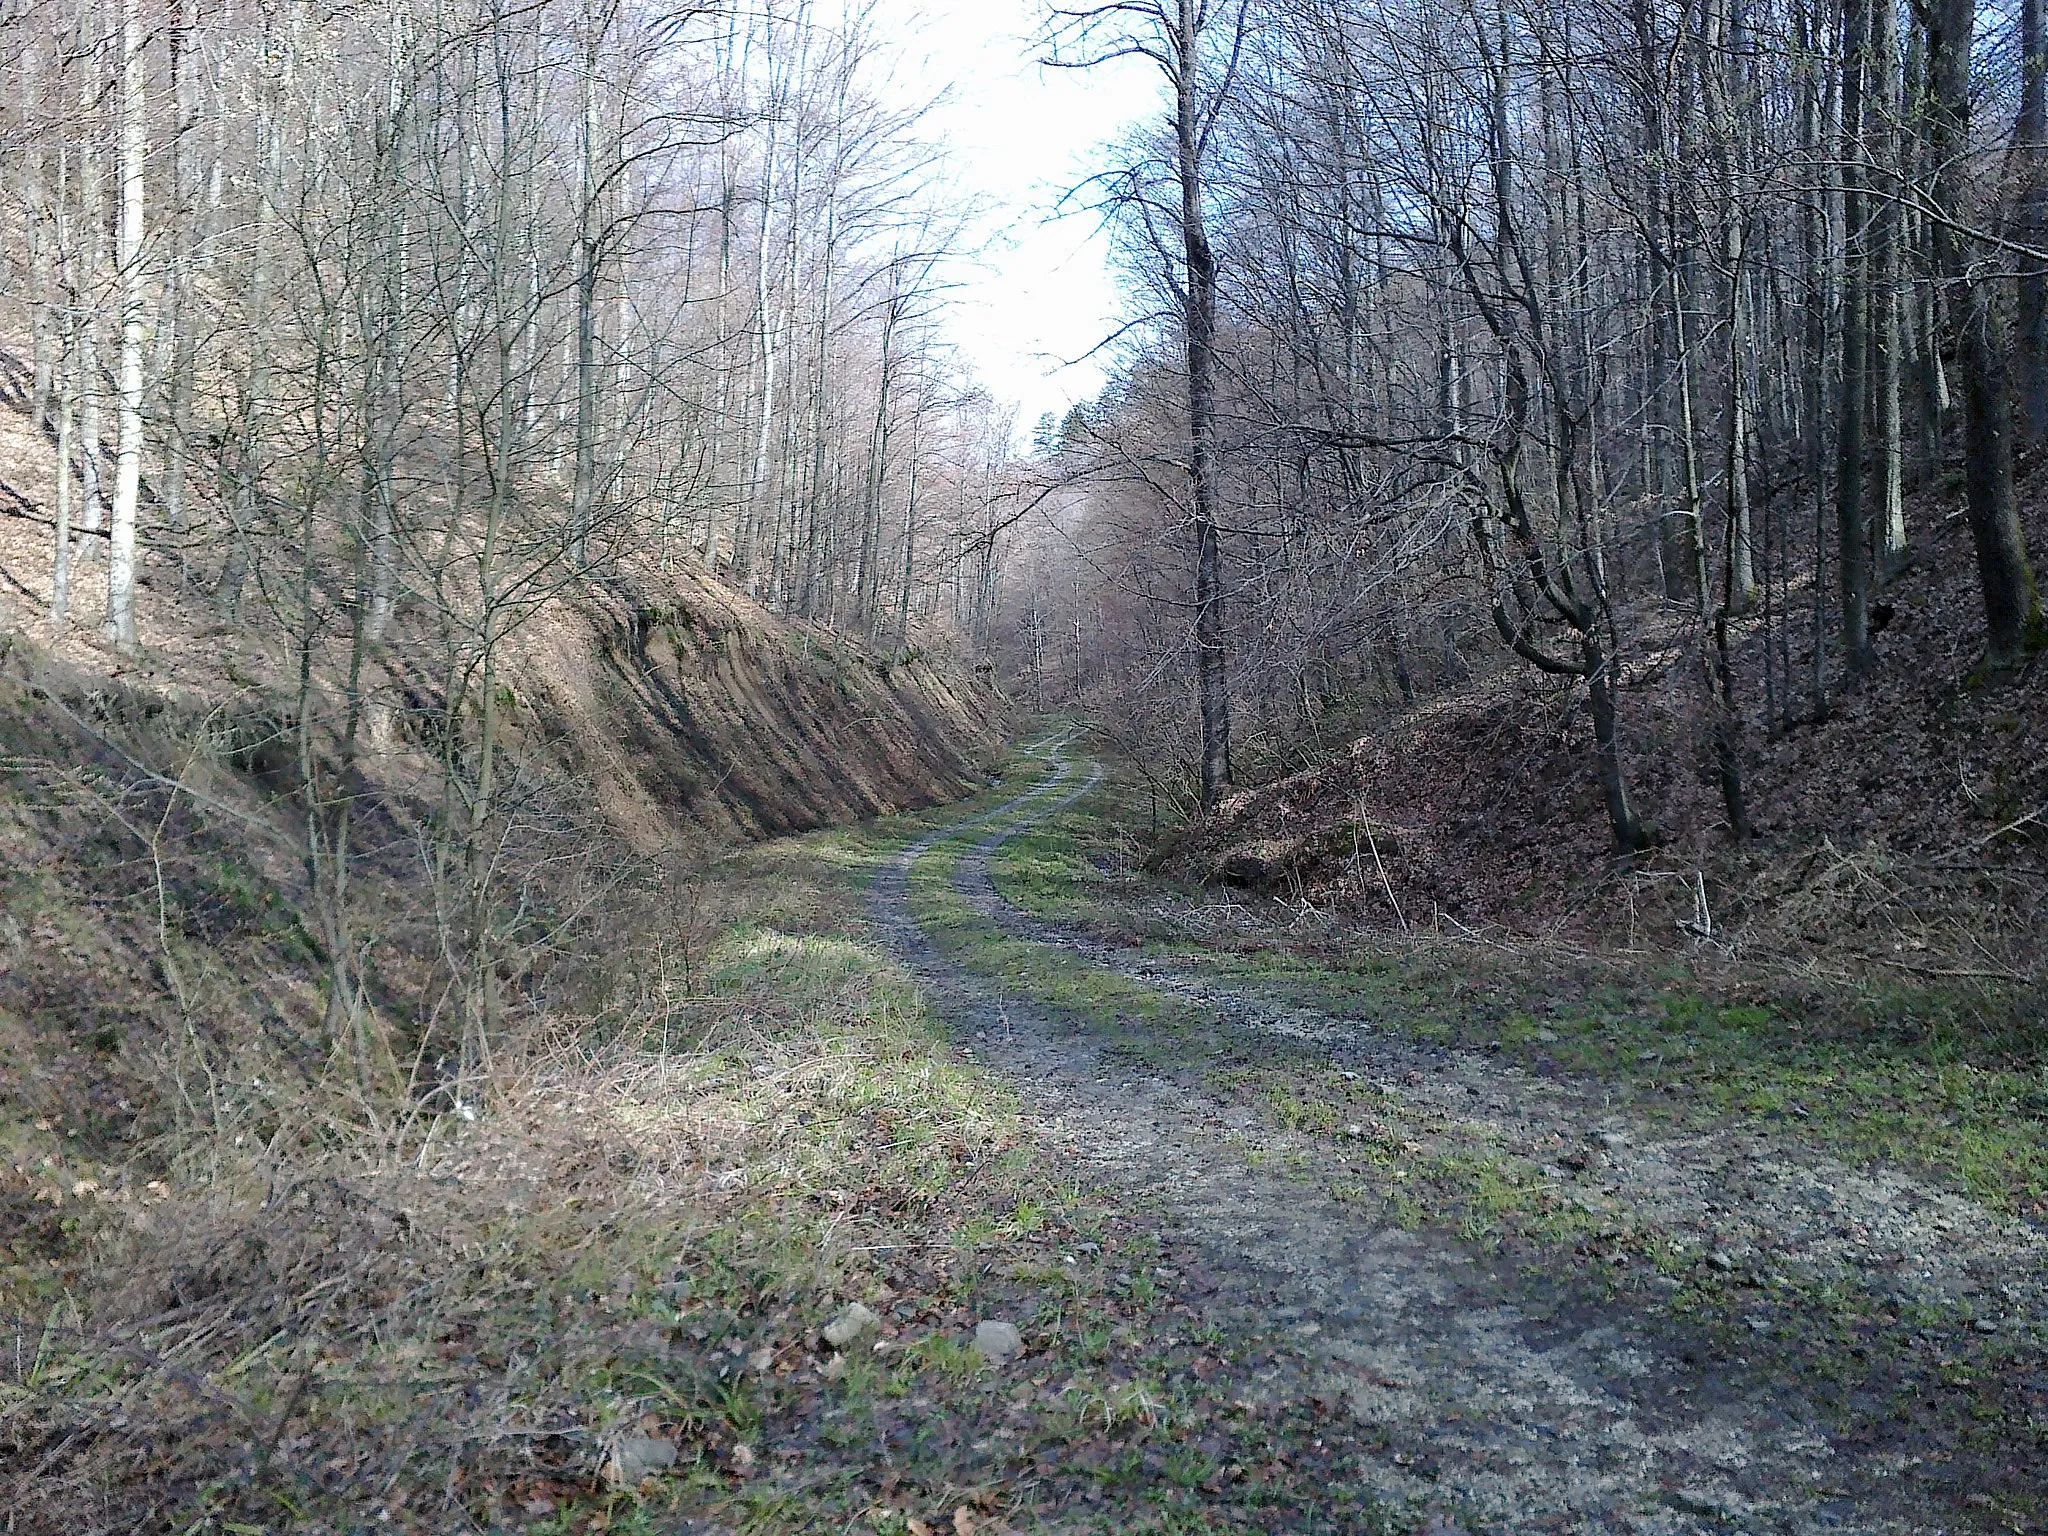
{"x":635,"y":1458}
{"x":997,"y":1341}
{"x":854,"y":1323}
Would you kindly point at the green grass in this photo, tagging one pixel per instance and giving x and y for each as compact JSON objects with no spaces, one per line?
{"x":1951,"y":1082}
{"x":1961,"y":1100}
{"x":1141,"y":1021}
{"x":1878,"y":1086}
{"x":1071,"y":867}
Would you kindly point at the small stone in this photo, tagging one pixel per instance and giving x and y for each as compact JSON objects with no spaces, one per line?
{"x":1613,"y":1141}
{"x":1987,"y":1325}
{"x":1547,"y":1036}
{"x":1722,"y":1260}
{"x":854,"y":1323}
{"x":997,"y":1342}
{"x":1354,"y":1130}
{"x":635,"y":1458}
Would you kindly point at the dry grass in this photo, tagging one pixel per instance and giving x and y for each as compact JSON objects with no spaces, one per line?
{"x":443,"y":1327}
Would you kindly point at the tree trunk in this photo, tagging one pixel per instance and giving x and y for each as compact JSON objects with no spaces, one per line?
{"x":1813,"y":248}
{"x":2012,"y":606}
{"x":1883,"y":106}
{"x":1852,"y":521}
{"x":2030,"y":150}
{"x":759,"y":490}
{"x":67,"y":396}
{"x":41,"y":234}
{"x":176,"y":326}
{"x":1932,"y":384}
{"x":910,"y":526}
{"x":121,"y":544}
{"x":1199,"y":324}
{"x":87,"y":295}
{"x":253,"y":406}
{"x":1622,"y":820}
{"x":1717,"y":63}
{"x":583,"y":490}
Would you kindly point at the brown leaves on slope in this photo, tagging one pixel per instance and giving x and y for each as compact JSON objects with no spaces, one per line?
{"x":1905,"y":828}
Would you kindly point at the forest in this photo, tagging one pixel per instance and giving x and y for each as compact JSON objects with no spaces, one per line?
{"x":630,"y":904}
{"x":1581,"y":334}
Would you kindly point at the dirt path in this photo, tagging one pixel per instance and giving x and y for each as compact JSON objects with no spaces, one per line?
{"x":1520,"y":1404}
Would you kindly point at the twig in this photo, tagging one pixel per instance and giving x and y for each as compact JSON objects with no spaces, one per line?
{"x":1951,"y":974}
{"x":2032,"y":816}
{"x":1385,"y":884}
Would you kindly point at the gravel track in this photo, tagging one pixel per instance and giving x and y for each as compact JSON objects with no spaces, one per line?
{"x":1511,"y":1401}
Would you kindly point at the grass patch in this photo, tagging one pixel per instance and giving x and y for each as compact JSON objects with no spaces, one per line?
{"x":1141,"y":1022}
{"x":1866,"y":1080}
{"x":1950,"y":1081}
{"x":1077,"y":866}
{"x":1964,"y":1105}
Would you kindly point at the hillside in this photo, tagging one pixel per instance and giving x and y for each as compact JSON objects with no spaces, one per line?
{"x":276,"y":931}
{"x":1904,"y":829}
{"x":690,"y":710}
{"x":160,"y":871}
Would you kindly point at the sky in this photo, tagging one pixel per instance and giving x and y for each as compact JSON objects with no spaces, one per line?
{"x":1041,"y":296}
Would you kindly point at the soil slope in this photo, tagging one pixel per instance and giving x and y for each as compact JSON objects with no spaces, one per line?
{"x":1903,"y":826}
{"x":153,"y":841}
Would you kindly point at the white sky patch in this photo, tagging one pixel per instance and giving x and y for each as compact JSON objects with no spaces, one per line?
{"x":1020,"y":135}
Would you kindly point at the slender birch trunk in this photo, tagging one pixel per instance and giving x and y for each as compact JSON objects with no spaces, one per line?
{"x":122,"y":549}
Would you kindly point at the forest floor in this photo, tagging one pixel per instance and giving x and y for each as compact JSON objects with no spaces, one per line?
{"x":1898,"y":828}
{"x":1386,"y":1236}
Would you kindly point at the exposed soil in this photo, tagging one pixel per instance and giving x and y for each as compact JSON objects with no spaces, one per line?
{"x":652,"y":715}
{"x":680,"y":710}
{"x":1524,"y":1392}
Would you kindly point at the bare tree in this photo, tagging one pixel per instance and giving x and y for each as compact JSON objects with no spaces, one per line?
{"x":1196,"y":45}
{"x":2012,"y":605}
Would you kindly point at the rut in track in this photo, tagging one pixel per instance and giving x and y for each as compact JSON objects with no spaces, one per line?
{"x":1530,"y":1410}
